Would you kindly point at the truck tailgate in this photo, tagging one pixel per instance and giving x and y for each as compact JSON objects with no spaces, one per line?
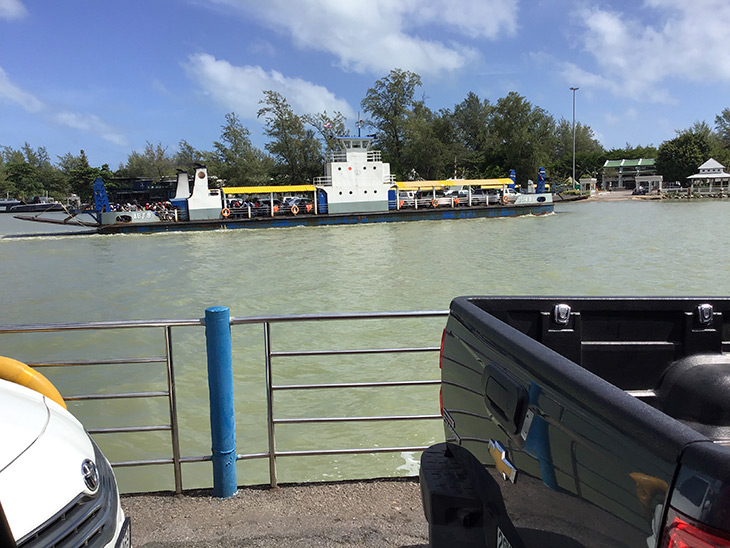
{"x":560,"y":456}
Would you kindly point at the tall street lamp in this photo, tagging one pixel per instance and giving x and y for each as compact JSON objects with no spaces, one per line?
{"x":574,"y":90}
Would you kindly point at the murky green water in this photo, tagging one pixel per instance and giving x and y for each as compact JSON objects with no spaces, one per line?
{"x":616,"y":248}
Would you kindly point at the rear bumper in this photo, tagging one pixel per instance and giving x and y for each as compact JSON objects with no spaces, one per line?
{"x":452,"y":506}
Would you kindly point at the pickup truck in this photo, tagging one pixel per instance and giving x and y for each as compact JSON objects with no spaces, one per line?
{"x":582,"y":422}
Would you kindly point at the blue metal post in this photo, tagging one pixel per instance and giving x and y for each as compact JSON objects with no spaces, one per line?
{"x":222,"y":409}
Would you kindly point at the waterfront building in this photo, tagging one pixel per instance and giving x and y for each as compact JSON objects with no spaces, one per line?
{"x":710,"y":179}
{"x":622,"y":174}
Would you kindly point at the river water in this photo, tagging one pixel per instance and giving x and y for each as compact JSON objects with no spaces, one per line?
{"x":586,"y":248}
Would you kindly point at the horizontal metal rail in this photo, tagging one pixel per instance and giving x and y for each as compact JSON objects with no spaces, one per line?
{"x":352,"y":385}
{"x":354,"y":352}
{"x":117,"y":361}
{"x":356,"y":419}
{"x":127,"y":395}
{"x":270,"y":354}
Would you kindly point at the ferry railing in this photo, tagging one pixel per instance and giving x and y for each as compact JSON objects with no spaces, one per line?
{"x":341,"y":156}
{"x":336,"y":156}
{"x":270,"y":354}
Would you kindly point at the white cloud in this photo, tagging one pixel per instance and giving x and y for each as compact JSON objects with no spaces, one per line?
{"x":12,"y":9}
{"x":11,"y":92}
{"x":240,"y":88}
{"x":477,"y":19}
{"x":14,"y":94}
{"x":90,"y":123}
{"x":378,"y":35}
{"x":686,"y":41}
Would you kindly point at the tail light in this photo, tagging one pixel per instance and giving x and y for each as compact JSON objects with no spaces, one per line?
{"x":683,"y":532}
{"x":441,"y":352}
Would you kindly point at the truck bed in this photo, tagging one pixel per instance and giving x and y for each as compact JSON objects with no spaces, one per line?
{"x":657,"y":350}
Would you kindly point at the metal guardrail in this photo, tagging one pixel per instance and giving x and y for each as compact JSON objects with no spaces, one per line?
{"x":177,"y":460}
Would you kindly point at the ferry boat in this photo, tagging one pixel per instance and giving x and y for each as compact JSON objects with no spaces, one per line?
{"x":357,"y":187}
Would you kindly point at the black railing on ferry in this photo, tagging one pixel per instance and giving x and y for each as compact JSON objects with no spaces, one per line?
{"x":270,"y":354}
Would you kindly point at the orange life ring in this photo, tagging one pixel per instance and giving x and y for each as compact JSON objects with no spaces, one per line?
{"x":276,"y":208}
{"x":226,"y":212}
{"x":456,"y":201}
{"x":505,"y":199}
{"x":435,"y":203}
{"x":294,"y":210}
{"x":19,"y":373}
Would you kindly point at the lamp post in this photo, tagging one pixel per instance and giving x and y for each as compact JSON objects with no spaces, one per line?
{"x":574,"y":90}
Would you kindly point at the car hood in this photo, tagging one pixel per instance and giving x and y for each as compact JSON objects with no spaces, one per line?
{"x":23,"y":418}
{"x":42,"y":451}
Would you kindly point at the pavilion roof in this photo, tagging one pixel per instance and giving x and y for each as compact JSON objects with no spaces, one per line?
{"x":638,"y":162}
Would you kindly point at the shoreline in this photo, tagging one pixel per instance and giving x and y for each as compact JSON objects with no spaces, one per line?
{"x":626,"y":195}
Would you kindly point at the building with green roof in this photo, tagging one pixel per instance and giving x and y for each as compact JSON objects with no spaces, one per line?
{"x":622,"y":174}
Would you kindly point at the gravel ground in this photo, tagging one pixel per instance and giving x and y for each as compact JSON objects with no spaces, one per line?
{"x":366,"y":513}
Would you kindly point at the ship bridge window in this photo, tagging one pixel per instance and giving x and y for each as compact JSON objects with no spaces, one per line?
{"x":356,"y":144}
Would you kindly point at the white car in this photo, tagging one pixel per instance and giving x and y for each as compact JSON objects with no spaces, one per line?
{"x":56,"y":487}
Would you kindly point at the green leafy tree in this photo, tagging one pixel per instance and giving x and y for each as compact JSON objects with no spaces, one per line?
{"x":81,"y":176}
{"x":187,"y":157}
{"x":426,"y":153}
{"x":523,"y":136}
{"x":680,"y":157}
{"x":327,"y":127}
{"x":390,"y":102}
{"x":589,"y":153}
{"x":29,"y":173}
{"x":7,"y":189}
{"x":632,"y":152}
{"x":722,"y":127}
{"x":24,"y":178}
{"x":153,"y":162}
{"x":296,"y":149}
{"x":718,"y":149}
{"x":471,"y":138}
{"x":235,"y":160}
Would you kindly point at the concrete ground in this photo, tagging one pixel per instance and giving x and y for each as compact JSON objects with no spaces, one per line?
{"x":374,"y":513}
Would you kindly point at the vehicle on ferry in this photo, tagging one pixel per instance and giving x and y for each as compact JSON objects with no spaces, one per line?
{"x":509,"y":195}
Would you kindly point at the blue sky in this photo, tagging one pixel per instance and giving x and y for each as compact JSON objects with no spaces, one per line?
{"x":107,"y":76}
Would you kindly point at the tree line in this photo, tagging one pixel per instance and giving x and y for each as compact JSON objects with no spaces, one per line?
{"x":474,"y":139}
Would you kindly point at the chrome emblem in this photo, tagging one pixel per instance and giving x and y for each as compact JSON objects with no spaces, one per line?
{"x":501,"y":462}
{"x":91,"y":474}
